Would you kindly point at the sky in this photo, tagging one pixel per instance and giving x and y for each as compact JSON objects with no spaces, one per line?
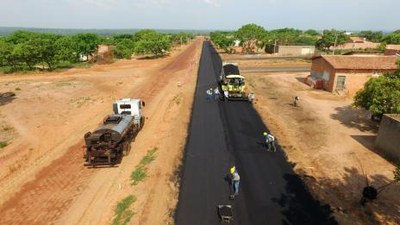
{"x":348,"y":15}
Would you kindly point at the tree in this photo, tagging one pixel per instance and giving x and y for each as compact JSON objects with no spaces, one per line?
{"x":250,"y":36}
{"x":284,"y":36}
{"x":124,"y":48}
{"x":151,"y":42}
{"x":311,"y":32}
{"x":392,"y":38}
{"x":18,"y":37}
{"x":86,"y":44}
{"x":181,"y":38}
{"x":66,"y":50}
{"x":250,"y":31}
{"x":7,"y":56}
{"x":223,"y":40}
{"x":374,"y":36}
{"x":380,"y":95}
{"x":331,"y":38}
{"x":143,"y":34}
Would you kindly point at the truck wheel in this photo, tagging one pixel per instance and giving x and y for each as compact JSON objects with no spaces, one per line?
{"x":142,"y":122}
{"x":88,"y":159}
{"x":126,"y":150}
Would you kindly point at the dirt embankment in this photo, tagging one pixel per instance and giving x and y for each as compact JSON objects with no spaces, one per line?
{"x":50,"y":114}
{"x":331,"y":144}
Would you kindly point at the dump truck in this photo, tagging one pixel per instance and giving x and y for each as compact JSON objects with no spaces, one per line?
{"x":232,"y":82}
{"x":109,"y":142}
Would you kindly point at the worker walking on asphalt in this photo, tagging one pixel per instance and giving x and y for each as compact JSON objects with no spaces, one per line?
{"x":235,"y":181}
{"x":216,"y":93}
{"x":226,"y":95}
{"x":209,"y":94}
{"x":269,"y":142}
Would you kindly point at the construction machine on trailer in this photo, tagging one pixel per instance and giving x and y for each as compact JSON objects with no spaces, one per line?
{"x":112,"y":139}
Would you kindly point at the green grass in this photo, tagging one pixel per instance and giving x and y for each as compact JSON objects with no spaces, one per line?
{"x":122,"y":212}
{"x":140,"y":173}
{"x":3,"y":144}
{"x":149,"y":157}
{"x":177,"y":99}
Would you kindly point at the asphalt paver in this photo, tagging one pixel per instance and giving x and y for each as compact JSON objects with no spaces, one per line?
{"x":223,"y":134}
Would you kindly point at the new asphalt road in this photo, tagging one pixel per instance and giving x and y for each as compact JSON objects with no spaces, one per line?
{"x":223,"y":134}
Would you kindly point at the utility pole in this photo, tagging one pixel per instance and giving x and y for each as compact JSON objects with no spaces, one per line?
{"x":275,"y":47}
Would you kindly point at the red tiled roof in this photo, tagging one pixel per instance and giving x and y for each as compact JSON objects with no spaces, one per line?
{"x":364,"y":62}
{"x":357,"y":45}
{"x":357,"y":39}
{"x":393,"y":47}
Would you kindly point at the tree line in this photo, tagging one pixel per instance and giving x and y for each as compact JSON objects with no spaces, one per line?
{"x":253,"y":35}
{"x":24,"y":50}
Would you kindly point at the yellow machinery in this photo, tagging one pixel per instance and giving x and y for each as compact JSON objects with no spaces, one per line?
{"x":235,"y":85}
{"x":232,"y":83}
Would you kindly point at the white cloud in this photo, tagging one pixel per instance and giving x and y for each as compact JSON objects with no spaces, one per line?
{"x":214,"y":3}
{"x":142,"y":4}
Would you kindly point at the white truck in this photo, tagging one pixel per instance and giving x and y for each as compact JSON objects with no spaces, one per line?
{"x":111,"y":140}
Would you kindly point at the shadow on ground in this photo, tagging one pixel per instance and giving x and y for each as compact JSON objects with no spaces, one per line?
{"x":295,"y":212}
{"x":367,"y":141}
{"x":344,"y":197}
{"x":301,"y":79}
{"x":355,"y":118}
{"x":7,"y":97}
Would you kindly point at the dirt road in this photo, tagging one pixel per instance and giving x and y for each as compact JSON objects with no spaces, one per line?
{"x":43,"y":180}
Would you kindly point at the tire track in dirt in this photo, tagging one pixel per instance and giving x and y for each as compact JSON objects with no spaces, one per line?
{"x":45,"y":199}
{"x":54,"y":188}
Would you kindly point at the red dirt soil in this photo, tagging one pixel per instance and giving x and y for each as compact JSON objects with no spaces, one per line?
{"x":56,"y":187}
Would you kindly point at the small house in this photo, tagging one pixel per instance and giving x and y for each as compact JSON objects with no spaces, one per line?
{"x":356,"y":43}
{"x":290,"y":50}
{"x":392,"y":49}
{"x":346,"y":74}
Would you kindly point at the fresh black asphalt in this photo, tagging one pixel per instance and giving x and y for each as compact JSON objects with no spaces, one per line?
{"x":223,"y":134}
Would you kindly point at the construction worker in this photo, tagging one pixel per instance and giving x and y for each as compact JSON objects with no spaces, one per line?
{"x":251,"y":96}
{"x":209,"y":94}
{"x":235,"y":181}
{"x":216,"y":93}
{"x":269,"y":142}
{"x":226,"y":95}
{"x":296,"y":100}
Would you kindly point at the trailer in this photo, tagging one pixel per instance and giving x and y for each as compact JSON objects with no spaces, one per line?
{"x":109,"y":142}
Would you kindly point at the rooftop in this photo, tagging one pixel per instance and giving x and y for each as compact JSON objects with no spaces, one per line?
{"x":393,"y":47}
{"x":361,"y":62}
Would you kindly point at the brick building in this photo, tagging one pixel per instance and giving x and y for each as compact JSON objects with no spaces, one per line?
{"x":348,"y":73}
{"x":290,"y":50}
{"x":355,"y":43}
{"x":392,"y":49}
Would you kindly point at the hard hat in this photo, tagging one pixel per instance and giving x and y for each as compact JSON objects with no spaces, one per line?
{"x":265,"y":133}
{"x":233,"y":168}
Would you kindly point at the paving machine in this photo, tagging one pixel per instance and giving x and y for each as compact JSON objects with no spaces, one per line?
{"x":232,"y":84}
